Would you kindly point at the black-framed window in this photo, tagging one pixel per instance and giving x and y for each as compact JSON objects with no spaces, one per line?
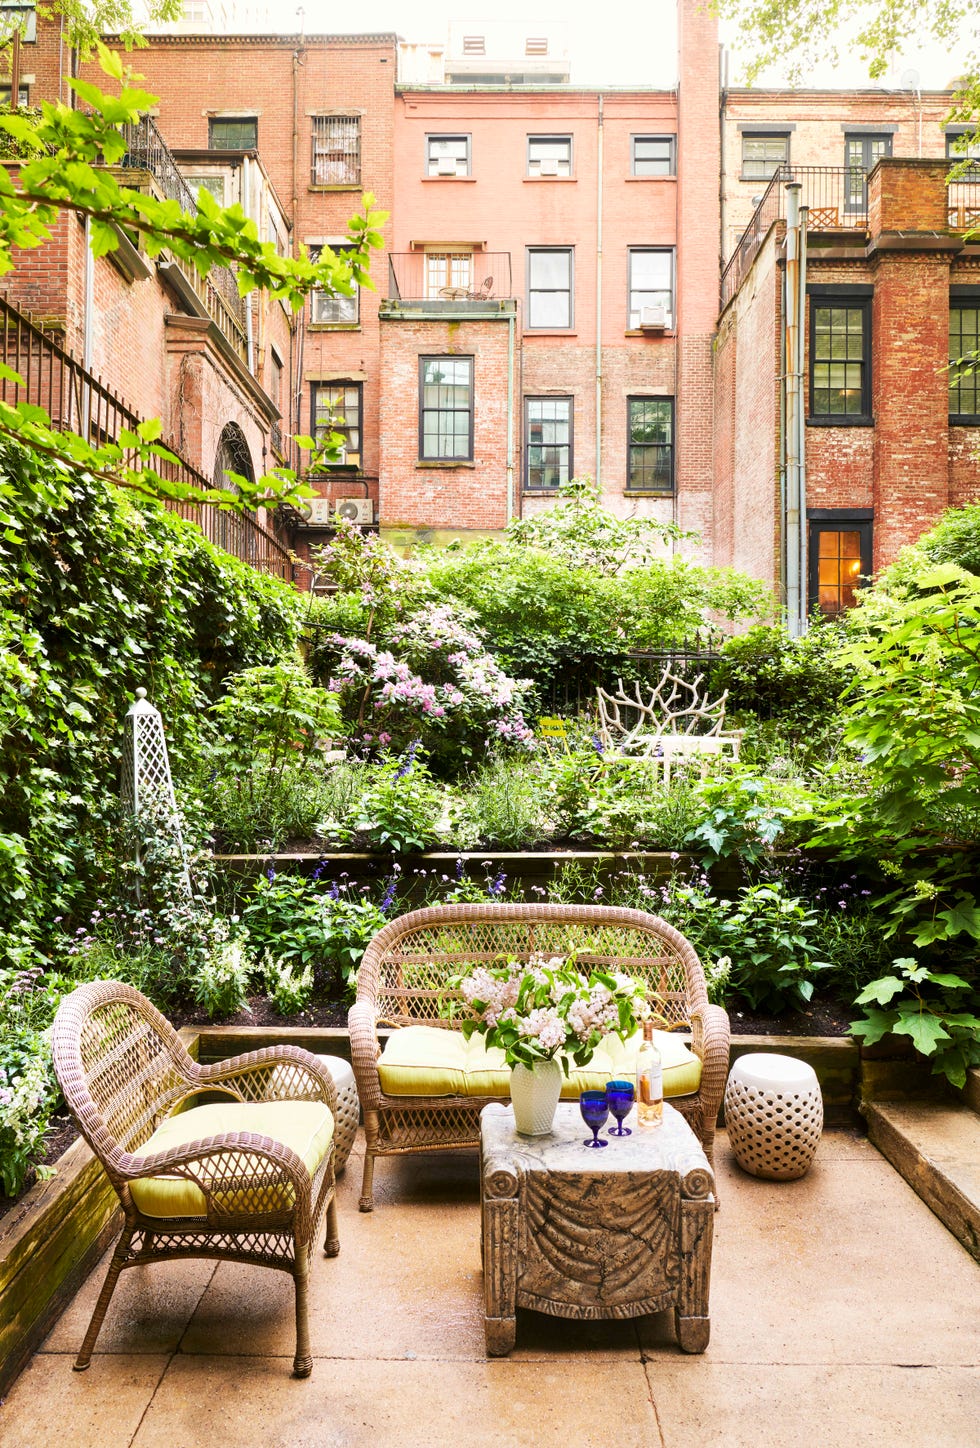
{"x":336,"y":407}
{"x":326,"y":310}
{"x":447,"y":155}
{"x":653,"y":155}
{"x":839,"y":559}
{"x":446,"y":408}
{"x":549,"y":286}
{"x":336,"y":153}
{"x":651,"y":445}
{"x":547,"y":442}
{"x":651,"y":286}
{"x":23,"y":95}
{"x":840,"y":359}
{"x":964,"y":361}
{"x":233,"y":133}
{"x":763,"y":153}
{"x":549,"y":155}
{"x":861,"y":151}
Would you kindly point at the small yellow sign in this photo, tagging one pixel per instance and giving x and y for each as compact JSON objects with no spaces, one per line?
{"x":551,"y":727}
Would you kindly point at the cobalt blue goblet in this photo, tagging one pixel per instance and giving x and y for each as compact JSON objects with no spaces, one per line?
{"x":619,"y":1097}
{"x":595,"y":1111}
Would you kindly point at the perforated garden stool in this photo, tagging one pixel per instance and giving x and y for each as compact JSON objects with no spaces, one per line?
{"x":774,"y":1115}
{"x":348,"y":1108}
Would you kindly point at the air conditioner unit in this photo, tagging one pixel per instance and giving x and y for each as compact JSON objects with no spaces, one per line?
{"x":355,"y":510}
{"x":446,"y":166}
{"x":548,"y":166}
{"x":654,"y":319}
{"x":318,"y":512}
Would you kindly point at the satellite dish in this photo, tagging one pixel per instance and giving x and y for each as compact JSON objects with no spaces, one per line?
{"x":909,"y":79}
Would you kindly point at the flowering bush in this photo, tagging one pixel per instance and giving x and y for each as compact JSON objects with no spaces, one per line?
{"x":539,"y":1009}
{"x":27,"y":1088}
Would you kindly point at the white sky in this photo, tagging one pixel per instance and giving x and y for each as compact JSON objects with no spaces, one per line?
{"x":612,"y":42}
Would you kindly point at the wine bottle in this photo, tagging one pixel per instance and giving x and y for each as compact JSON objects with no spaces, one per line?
{"x":649,"y":1082}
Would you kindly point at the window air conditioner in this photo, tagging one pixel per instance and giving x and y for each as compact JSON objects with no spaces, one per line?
{"x":355,"y":510}
{"x":654,"y":318}
{"x":446,"y":166}
{"x":548,"y":166}
{"x":318,"y":512}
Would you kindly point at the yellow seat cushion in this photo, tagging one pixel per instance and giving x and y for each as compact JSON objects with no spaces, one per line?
{"x":430,"y":1061}
{"x":304,"y":1126}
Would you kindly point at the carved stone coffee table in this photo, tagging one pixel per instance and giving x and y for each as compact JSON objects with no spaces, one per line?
{"x":594,"y":1234}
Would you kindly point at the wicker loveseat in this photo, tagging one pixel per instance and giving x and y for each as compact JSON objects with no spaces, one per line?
{"x":232,"y":1161}
{"x":426,"y":1090}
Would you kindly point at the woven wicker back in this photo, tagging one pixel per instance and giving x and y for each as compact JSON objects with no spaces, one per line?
{"x":119,"y":1063}
{"x":406,"y":966}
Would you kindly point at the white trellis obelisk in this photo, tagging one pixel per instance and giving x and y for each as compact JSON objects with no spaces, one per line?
{"x":146,"y":780}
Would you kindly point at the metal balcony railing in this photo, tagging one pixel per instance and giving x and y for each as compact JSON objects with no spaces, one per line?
{"x":449,"y":278}
{"x":146,"y":150}
{"x":78,"y":402}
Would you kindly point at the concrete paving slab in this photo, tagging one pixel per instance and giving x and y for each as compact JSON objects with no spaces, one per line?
{"x":49,"y":1406}
{"x":936,"y":1148}
{"x":729,"y":1405}
{"x":236,"y":1403}
{"x":149,"y":1311}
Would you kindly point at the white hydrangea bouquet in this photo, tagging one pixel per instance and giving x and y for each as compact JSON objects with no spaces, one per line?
{"x":541,"y":1009}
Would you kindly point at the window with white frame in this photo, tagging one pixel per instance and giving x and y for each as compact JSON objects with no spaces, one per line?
{"x":336,"y":408}
{"x":549,"y":155}
{"x":326,"y":310}
{"x":763,"y":154}
{"x":447,"y":155}
{"x":448,"y":271}
{"x":549,"y":287}
{"x":651,"y":287}
{"x":446,"y":409}
{"x":653,"y":155}
{"x":336,"y":157}
{"x":547,"y":442}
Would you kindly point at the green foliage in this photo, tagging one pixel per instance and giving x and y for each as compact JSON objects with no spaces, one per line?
{"x":769,"y":675}
{"x":739,"y":817}
{"x":220,"y":982}
{"x":98,"y":597}
{"x":290,"y":988}
{"x":936,"y":1009}
{"x":955,"y":538}
{"x":584,"y":534}
{"x":28,"y":1092}
{"x":501,"y":804}
{"x":401,"y":806}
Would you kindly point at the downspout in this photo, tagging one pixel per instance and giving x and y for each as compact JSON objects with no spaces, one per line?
{"x":791,"y":362}
{"x":598,"y":298}
{"x":247,"y":208}
{"x":511,"y":320}
{"x":88,"y":342}
{"x":801,"y":421}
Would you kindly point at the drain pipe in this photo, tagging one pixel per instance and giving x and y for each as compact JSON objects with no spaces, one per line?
{"x":792,"y":521}
{"x":598,"y":299}
{"x":88,"y":334}
{"x":801,"y":420}
{"x":511,"y":320}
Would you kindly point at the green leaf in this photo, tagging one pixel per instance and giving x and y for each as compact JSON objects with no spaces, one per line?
{"x":926,"y":1031}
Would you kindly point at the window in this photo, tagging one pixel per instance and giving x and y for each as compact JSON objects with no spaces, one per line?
{"x":446,"y":408}
{"x":336,"y":151}
{"x":23,"y":95}
{"x":653,"y":155}
{"x":840,"y":361}
{"x":447,"y":155}
{"x":651,"y":445}
{"x":336,"y":407}
{"x":651,"y":287}
{"x":547,"y":441}
{"x":233,"y":133}
{"x":549,"y":286}
{"x":549,"y":155}
{"x":448,"y":271}
{"x":474,"y":45}
{"x":964,"y":339}
{"x":959,"y":149}
{"x":214,"y":184}
{"x":763,"y":155}
{"x":839,"y":551}
{"x":18,"y":13}
{"x":860,"y":154}
{"x":334,"y":311}
{"x":536,"y":45}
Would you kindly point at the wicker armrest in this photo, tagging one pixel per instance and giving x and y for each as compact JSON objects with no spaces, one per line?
{"x":311,"y":1080}
{"x":364,"y":1052}
{"x":247,"y":1170}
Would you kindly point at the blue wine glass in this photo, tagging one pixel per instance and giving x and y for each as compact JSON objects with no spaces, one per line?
{"x":620,"y":1096}
{"x":595,"y":1111}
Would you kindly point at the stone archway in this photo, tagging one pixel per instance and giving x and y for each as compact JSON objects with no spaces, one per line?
{"x":233,"y":455}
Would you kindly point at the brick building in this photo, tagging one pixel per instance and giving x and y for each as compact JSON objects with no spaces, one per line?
{"x":841,"y":433}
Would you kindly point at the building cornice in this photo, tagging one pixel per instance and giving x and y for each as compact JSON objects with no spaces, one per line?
{"x":291,"y":42}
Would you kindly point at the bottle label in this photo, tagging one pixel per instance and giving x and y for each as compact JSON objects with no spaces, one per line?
{"x":651,"y":1084}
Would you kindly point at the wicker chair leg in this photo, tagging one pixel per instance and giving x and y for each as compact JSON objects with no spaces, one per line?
{"x":303,"y":1361}
{"x":108,"y":1288}
{"x":366,"y":1203}
{"x":331,"y":1241}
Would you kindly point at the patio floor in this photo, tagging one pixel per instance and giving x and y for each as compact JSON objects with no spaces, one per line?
{"x":842,"y":1312}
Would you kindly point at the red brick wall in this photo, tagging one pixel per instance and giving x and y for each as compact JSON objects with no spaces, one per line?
{"x":420,"y":495}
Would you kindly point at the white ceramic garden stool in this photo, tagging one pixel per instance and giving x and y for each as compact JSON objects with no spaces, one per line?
{"x":774,"y":1115}
{"x":348,"y":1108}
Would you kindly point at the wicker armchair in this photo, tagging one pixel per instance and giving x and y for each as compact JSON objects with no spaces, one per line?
{"x":401,"y":980}
{"x":237,"y":1195}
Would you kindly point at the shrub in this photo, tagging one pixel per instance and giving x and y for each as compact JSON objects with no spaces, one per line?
{"x":798,"y":681}
{"x":401,"y":807}
{"x":28,"y":1093}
